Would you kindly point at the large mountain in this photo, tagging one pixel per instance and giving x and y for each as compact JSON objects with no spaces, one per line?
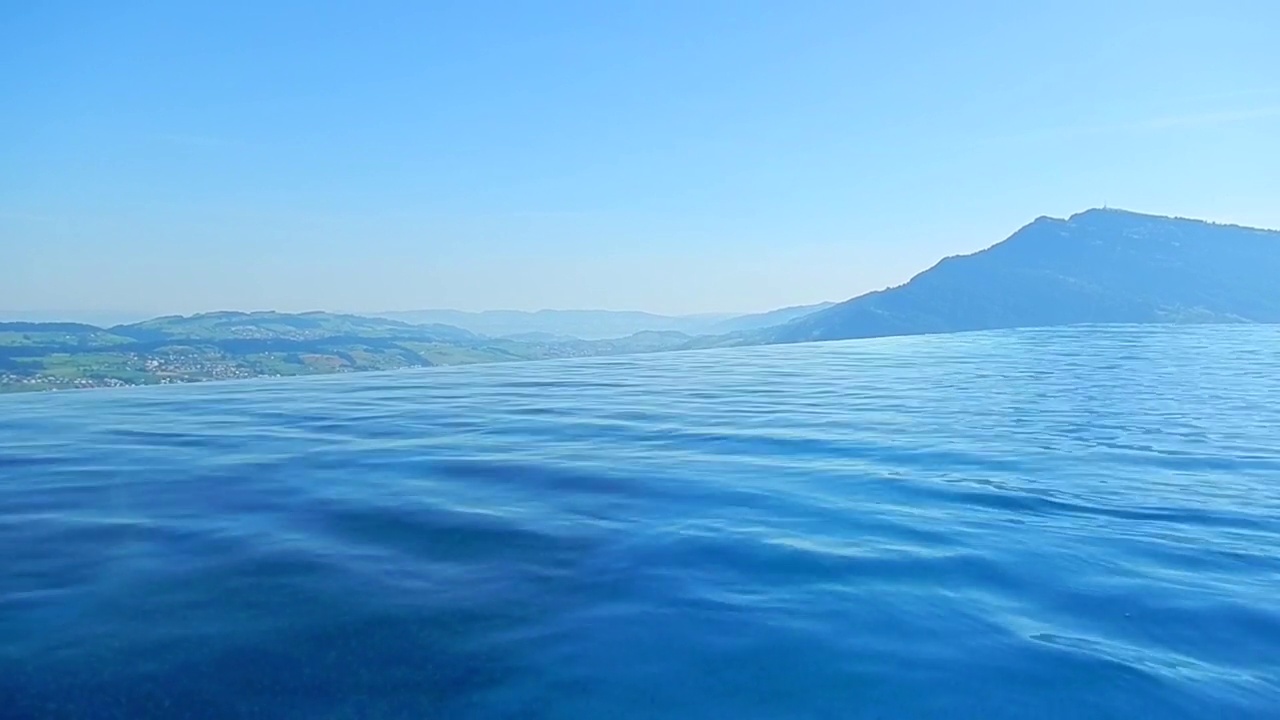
{"x":1100,"y":266}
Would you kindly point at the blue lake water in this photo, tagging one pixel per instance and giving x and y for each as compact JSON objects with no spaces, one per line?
{"x":1072,"y":523}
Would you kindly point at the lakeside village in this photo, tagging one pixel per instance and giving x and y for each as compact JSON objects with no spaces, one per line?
{"x":136,"y":370}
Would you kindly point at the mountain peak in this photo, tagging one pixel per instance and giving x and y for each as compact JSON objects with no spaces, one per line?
{"x":1112,"y":215}
{"x":1108,"y":211}
{"x":1103,"y":265}
{"x":1115,"y":215}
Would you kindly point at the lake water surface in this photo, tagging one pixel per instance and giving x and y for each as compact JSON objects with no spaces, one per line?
{"x":1070,"y":523}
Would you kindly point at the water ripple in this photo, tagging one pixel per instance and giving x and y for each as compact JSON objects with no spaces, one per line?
{"x":1070,"y":523}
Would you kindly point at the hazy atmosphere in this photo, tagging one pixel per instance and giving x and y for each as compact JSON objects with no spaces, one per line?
{"x":673,"y":157}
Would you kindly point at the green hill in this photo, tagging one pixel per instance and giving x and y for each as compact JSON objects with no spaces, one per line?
{"x":229,"y":345}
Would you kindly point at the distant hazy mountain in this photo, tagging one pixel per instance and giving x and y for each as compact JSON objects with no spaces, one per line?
{"x":766,"y":319}
{"x":1100,"y":266}
{"x":89,"y":317}
{"x":582,"y":324}
{"x":595,"y":324}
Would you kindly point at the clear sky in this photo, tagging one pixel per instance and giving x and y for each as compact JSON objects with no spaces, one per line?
{"x":671,"y":156}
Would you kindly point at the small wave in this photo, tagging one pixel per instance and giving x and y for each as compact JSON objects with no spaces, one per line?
{"x":1062,"y":523}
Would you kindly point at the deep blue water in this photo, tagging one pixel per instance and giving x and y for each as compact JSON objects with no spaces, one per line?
{"x":1078,"y":523}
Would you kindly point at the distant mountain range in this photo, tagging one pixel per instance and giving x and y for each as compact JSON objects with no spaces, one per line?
{"x":1099,"y":266}
{"x":228,"y":345}
{"x":597,"y":324}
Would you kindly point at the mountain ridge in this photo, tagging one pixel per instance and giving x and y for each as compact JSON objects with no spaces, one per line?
{"x":596,"y":324}
{"x":1101,"y":265}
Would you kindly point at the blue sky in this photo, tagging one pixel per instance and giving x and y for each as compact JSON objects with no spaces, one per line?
{"x":668,"y":156}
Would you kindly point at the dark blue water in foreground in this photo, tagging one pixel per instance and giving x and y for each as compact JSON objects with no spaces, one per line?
{"x":1078,"y":523}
